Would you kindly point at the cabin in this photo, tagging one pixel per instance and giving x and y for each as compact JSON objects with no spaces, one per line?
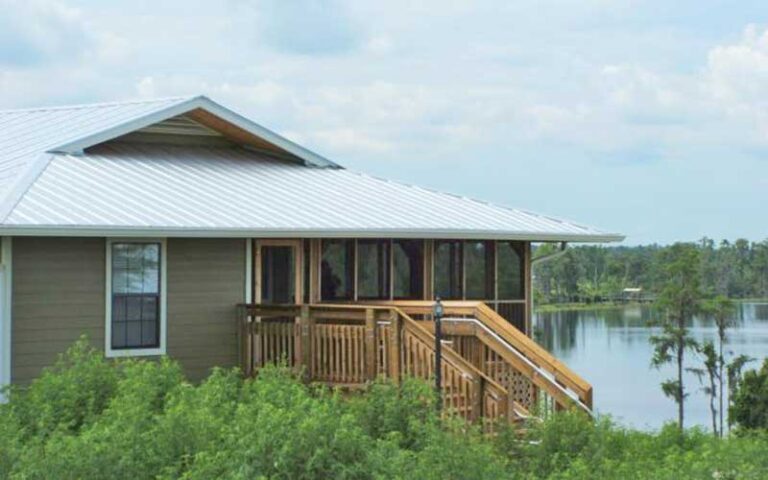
{"x":179,"y":227}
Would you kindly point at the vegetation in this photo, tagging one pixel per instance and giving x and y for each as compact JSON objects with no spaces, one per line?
{"x":679,"y":300}
{"x":590,"y":274}
{"x":91,"y":418}
{"x":750,"y":399}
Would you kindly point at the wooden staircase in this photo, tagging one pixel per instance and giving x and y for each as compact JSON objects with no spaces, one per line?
{"x":491,"y":371}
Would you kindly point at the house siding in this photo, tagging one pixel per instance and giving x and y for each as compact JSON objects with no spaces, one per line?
{"x":59,"y":294}
{"x":206,"y":280}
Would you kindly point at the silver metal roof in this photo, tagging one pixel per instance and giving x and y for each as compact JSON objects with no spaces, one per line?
{"x":61,"y":179}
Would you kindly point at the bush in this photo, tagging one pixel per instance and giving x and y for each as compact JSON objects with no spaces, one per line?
{"x":750,"y":403}
{"x":141,"y":419}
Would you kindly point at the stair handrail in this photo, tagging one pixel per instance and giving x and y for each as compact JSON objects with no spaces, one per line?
{"x":535,"y":353}
{"x":543,"y":374}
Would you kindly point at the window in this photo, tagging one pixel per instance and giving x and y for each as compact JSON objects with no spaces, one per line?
{"x":408,"y":268}
{"x":337,"y":270}
{"x":373,"y":269}
{"x":448,"y":269}
{"x":510,"y":268}
{"x":478,"y":264}
{"x":136,"y":298}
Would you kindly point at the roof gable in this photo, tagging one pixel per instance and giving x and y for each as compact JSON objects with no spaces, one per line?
{"x":204,"y":111}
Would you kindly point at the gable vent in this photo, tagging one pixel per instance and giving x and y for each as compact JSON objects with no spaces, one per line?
{"x":181,"y":125}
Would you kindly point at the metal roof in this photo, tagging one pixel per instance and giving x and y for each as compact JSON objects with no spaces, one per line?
{"x":59,"y":177}
{"x":213,"y":191}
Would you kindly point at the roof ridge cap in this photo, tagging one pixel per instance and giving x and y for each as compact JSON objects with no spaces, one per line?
{"x":98,"y":104}
{"x":23,"y":183}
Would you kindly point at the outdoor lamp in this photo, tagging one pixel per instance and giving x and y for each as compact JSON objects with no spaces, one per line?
{"x":437,"y":312}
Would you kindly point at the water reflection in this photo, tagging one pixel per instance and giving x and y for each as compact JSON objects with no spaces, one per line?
{"x":611,"y":349}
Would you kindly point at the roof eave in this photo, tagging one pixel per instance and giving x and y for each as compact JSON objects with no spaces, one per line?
{"x":105,"y":231}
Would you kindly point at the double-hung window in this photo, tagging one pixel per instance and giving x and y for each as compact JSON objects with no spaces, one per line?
{"x":135,"y":297}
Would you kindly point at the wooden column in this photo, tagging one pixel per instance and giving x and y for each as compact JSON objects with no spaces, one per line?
{"x":478,"y":385}
{"x":528,"y":287}
{"x":395,"y":347}
{"x":429,"y":269}
{"x":370,"y":344}
{"x":304,"y":352}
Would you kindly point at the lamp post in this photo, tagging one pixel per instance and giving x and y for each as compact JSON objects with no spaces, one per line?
{"x":437,"y":313}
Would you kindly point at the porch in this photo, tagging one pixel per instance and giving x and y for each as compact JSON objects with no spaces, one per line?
{"x":491,"y":370}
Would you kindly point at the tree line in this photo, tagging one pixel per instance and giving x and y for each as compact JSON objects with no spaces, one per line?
{"x":737,"y":269}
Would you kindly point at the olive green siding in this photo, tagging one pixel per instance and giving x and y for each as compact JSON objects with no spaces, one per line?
{"x":206,"y":280}
{"x":59,"y":294}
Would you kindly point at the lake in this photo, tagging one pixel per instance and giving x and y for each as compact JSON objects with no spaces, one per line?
{"x":610,"y":349}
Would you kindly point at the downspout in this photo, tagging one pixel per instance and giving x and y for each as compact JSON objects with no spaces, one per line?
{"x":545,"y":258}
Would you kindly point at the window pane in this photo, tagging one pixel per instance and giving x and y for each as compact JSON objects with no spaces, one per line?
{"x":373,"y":269}
{"x":118,"y":335}
{"x":478,"y":263}
{"x":337,"y":270}
{"x":407,"y":256}
{"x":135,"y":295}
{"x":133,"y":334}
{"x":510,"y":265}
{"x":135,"y":268}
{"x":448,"y":269}
{"x":149,"y":333}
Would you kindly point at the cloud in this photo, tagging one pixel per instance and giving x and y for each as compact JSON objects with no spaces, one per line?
{"x":305,"y":27}
{"x":36,"y":31}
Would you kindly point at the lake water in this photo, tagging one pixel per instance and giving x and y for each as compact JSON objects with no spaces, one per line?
{"x":610,"y":349}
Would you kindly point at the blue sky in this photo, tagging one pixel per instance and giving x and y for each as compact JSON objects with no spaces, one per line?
{"x":645,"y":117}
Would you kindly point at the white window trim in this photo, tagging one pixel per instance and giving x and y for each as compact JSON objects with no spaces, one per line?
{"x":138,"y":352}
{"x":6,"y":283}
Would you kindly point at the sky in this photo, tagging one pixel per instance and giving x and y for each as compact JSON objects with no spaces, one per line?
{"x":648,"y":118}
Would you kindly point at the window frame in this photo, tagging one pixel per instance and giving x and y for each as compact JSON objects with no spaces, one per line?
{"x":163,"y":320}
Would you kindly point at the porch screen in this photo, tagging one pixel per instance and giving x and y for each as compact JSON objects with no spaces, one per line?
{"x":448,"y":269}
{"x":373,"y":269}
{"x":510,"y":265}
{"x":408,"y":268}
{"x":478,"y":264}
{"x":337,"y":270}
{"x":135,"y":295}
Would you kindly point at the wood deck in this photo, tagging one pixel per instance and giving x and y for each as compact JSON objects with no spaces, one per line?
{"x":491,"y":371}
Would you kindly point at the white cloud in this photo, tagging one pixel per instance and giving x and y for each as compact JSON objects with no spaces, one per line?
{"x":37,"y":31}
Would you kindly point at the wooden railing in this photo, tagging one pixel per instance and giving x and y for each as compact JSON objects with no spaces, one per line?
{"x":349,"y":346}
{"x":504,"y":353}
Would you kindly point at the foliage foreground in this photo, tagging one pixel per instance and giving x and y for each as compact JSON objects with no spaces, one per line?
{"x":90,"y":418}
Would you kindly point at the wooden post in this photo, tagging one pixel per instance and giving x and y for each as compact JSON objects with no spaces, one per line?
{"x":370,"y":344}
{"x":478,"y":385}
{"x":305,"y":341}
{"x":244,"y":341}
{"x":395,"y":347}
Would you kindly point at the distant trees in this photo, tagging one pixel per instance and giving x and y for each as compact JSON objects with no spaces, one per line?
{"x":736,"y":269}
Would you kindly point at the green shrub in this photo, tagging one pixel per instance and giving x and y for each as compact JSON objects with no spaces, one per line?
{"x":66,"y":396}
{"x":140,"y":419}
{"x":750,"y":403}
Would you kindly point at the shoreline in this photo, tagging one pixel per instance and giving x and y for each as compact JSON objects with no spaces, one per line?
{"x":559,"y":307}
